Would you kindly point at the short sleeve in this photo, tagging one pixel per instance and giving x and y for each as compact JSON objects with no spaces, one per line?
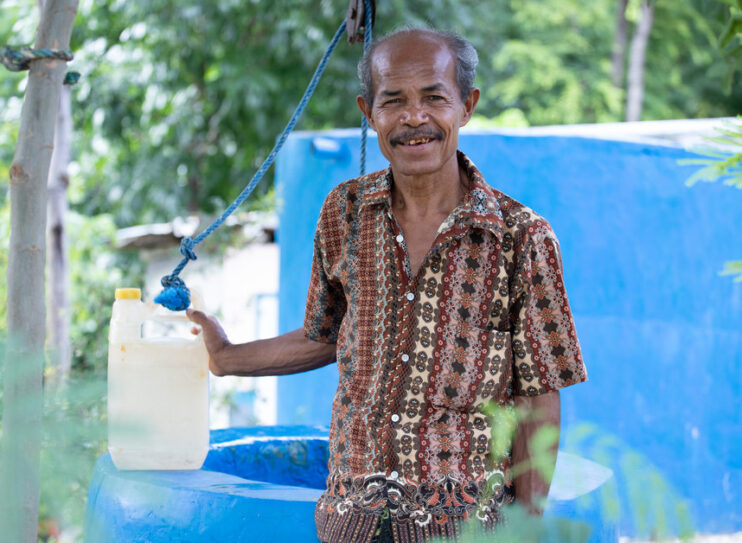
{"x":326,"y":303}
{"x":546,"y":352}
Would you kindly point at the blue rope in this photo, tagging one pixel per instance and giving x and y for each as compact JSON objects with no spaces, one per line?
{"x":17,"y":60}
{"x":176,"y":295}
{"x":366,"y":45}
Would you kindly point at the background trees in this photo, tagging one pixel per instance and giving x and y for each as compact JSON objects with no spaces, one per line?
{"x":180,"y":101}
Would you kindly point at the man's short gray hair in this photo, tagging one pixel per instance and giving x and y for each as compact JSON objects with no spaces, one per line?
{"x":463,"y":51}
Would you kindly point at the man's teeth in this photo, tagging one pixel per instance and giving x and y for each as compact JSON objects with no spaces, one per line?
{"x":418,"y":141}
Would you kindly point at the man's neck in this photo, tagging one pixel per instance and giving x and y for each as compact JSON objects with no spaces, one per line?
{"x":438,"y":193}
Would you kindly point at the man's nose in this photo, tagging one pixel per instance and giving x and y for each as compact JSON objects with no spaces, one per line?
{"x":414,"y":115}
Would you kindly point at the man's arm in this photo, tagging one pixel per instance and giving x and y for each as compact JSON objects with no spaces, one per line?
{"x":281,"y":355}
{"x":535,"y":412}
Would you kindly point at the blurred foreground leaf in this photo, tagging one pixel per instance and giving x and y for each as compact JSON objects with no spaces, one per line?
{"x":724,"y":164}
{"x":733,"y":268}
{"x":74,"y":436}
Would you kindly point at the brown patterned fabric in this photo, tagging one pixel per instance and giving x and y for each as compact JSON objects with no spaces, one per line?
{"x":485,"y":319}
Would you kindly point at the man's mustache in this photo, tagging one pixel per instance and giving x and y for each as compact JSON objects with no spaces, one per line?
{"x":410,"y":135}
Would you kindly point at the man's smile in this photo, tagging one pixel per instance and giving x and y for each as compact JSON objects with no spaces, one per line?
{"x":416,"y":139}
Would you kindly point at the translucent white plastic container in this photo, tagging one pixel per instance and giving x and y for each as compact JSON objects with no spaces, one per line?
{"x":158,"y":391}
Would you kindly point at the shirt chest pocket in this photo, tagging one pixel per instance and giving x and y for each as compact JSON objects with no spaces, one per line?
{"x":471,"y":367}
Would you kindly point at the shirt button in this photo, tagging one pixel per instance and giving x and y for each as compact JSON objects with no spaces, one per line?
{"x":410,"y":296}
{"x":394,"y":475}
{"x":405,"y":357}
{"x":395,"y":418}
{"x":400,"y":238}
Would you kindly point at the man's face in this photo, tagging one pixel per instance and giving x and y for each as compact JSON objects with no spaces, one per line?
{"x":417,"y":109}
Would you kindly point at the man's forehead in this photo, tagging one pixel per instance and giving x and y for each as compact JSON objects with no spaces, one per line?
{"x":422,"y":56}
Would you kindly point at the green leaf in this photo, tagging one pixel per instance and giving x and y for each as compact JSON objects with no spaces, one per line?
{"x":733,"y":268}
{"x":721,"y":164}
{"x":731,"y":31}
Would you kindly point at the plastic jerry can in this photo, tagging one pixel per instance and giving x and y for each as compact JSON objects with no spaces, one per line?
{"x":158,"y":391}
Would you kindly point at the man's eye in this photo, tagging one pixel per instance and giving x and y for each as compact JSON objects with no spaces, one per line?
{"x":435,"y":97}
{"x":392,"y":101}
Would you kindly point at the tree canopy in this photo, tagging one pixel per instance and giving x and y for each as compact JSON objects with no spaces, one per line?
{"x":180,"y":101}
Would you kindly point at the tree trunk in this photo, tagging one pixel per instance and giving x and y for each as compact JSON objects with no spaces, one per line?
{"x":618,"y":56}
{"x":24,"y":360}
{"x":635,"y":90}
{"x":60,"y":352}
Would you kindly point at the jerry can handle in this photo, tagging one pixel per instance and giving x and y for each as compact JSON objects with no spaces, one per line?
{"x":155,"y":312}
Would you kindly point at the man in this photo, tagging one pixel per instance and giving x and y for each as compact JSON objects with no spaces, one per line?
{"x":437,"y":295}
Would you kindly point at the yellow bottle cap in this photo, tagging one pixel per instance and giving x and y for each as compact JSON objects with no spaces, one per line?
{"x":128,"y":294}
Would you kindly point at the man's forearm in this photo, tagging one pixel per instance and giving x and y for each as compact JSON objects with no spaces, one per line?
{"x":536,"y":412}
{"x":288,"y":353}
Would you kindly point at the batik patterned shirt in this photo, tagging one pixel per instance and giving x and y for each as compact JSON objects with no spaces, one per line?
{"x":485,"y":318}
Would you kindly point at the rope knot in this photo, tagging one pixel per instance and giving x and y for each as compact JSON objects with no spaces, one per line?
{"x":17,"y":60}
{"x":186,"y":248}
{"x":176,"y":295}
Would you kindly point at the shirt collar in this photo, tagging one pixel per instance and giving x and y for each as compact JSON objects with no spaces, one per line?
{"x":480,"y":207}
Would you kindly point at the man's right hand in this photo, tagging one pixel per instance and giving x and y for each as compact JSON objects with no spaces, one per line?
{"x":214,"y":337}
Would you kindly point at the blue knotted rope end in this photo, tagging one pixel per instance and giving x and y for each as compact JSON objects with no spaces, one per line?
{"x":174,"y":299}
{"x":175,"y":296}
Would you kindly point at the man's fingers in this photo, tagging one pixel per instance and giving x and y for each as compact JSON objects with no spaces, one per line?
{"x":196,"y":316}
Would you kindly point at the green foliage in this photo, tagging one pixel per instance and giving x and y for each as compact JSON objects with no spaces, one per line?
{"x":175,"y":118}
{"x":74,"y":415}
{"x":522,"y":527}
{"x":180,"y":101}
{"x":733,"y":267}
{"x":16,"y":28}
{"x":552,"y":61}
{"x":726,"y":164}
{"x":95,"y":272}
{"x":74,"y":437}
{"x":723,"y":163}
{"x":542,"y":448}
{"x":686,"y":75}
{"x":510,"y":118}
{"x":730,"y":39}
{"x":638,"y":494}
{"x":504,"y":421}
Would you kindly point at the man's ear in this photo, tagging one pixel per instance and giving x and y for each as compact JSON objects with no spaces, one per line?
{"x":366,"y":110}
{"x":469,"y":104}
